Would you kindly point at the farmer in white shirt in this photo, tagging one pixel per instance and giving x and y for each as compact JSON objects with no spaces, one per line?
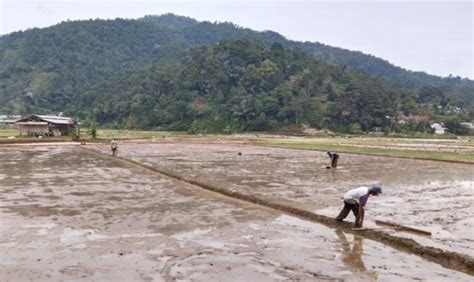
{"x":355,"y":200}
{"x":114,"y":147}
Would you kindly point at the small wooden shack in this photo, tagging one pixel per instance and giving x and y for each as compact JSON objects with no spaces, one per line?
{"x":38,"y":125}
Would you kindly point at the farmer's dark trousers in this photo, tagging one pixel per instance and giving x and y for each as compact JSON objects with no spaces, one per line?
{"x":348,"y":207}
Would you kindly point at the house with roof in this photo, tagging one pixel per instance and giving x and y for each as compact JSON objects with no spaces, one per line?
{"x":468,"y":125}
{"x":438,"y":128}
{"x":9,"y":121}
{"x":39,"y":125}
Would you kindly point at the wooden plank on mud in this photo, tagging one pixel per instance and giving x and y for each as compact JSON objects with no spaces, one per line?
{"x":402,"y":227}
{"x":375,"y":228}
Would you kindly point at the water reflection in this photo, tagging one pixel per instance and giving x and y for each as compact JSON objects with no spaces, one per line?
{"x":352,"y":257}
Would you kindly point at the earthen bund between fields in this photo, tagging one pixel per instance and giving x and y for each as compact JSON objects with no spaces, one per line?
{"x":448,"y":259}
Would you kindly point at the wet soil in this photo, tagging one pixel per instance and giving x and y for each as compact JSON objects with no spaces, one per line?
{"x":434,"y":196}
{"x":68,"y":215}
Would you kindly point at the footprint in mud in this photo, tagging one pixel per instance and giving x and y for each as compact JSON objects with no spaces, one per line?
{"x":68,"y":212}
{"x":31,"y":210}
{"x":76,"y":271}
{"x":82,"y":193}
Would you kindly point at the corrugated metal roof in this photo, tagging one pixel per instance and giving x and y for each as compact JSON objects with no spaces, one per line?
{"x":57,"y":120}
{"x":32,"y":123}
{"x":50,"y":119}
{"x":9,"y":118}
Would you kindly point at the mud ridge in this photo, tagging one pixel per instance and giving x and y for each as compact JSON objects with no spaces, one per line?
{"x":448,"y":259}
{"x":365,"y":154}
{"x":6,"y":141}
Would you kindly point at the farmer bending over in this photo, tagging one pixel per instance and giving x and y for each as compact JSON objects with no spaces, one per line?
{"x":355,"y":200}
{"x":334,"y":157}
{"x":113,"y":147}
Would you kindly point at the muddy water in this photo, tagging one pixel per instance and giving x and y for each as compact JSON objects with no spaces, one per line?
{"x":434,"y":196}
{"x":68,"y":215}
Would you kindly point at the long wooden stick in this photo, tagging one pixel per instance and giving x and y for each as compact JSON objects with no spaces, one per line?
{"x":402,"y":227}
{"x":374,"y":228}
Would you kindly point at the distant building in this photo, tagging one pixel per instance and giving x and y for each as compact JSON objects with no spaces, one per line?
{"x":449,"y":109}
{"x":438,"y":128}
{"x":9,"y":121}
{"x":457,"y":110}
{"x":37,"y":125}
{"x":469,"y":125}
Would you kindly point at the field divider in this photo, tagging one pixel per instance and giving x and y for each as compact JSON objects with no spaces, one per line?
{"x":361,"y":153}
{"x":448,"y":259}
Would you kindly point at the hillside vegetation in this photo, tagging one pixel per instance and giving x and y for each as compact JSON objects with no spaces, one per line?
{"x":171,"y":72}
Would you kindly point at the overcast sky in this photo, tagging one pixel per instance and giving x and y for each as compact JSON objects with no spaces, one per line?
{"x":431,"y":36}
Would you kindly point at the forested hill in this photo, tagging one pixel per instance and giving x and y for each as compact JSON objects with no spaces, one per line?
{"x":196,"y":33}
{"x":176,"y":73}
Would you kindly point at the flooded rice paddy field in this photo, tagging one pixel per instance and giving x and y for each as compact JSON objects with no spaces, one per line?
{"x":465,"y":145}
{"x":69,"y":214}
{"x":434,"y":196}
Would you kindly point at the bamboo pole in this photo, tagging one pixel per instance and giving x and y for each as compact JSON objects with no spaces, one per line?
{"x":402,"y":227}
{"x":374,"y":228}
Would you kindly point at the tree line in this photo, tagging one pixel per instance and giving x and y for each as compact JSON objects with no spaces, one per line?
{"x":175,"y":73}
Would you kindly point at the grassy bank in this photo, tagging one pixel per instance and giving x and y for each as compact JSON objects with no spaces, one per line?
{"x":5,"y":133}
{"x":130,"y":134}
{"x":390,"y":152}
{"x":460,"y":149}
{"x":106,"y":134}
